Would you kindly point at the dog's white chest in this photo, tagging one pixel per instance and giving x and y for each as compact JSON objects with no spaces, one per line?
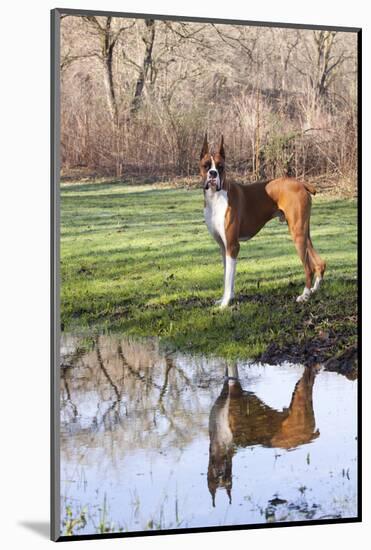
{"x":214,"y":211}
{"x":223,"y":433}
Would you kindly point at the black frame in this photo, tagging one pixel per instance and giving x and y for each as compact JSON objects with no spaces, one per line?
{"x":55,"y":274}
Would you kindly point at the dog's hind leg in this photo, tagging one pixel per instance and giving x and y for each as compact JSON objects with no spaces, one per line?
{"x":302,"y":249}
{"x":298,"y":222}
{"x":318,"y":266}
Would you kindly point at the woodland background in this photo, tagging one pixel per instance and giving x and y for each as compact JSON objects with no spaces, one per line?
{"x":137,"y":96}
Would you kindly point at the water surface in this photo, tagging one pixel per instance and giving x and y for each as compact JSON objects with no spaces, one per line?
{"x":163,"y":441}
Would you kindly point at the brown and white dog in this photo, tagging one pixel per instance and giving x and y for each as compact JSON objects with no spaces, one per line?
{"x":240,"y":419}
{"x":235,"y":213}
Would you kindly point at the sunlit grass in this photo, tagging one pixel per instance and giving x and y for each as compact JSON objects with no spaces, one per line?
{"x":139,"y":259}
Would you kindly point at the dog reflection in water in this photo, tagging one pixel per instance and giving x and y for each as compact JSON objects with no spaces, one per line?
{"x":240,"y":419}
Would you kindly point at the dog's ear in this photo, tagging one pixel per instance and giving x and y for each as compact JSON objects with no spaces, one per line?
{"x":205,"y":147}
{"x":221,"y":147}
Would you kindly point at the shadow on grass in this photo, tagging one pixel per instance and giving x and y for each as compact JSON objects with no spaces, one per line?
{"x":255,"y":323}
{"x":135,"y":273}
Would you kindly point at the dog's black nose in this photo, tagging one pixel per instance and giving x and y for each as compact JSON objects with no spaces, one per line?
{"x":213,"y":173}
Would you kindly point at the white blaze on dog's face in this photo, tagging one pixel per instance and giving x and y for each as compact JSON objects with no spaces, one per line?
{"x":212,"y":166}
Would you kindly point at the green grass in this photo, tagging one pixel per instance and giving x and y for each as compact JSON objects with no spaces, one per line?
{"x":139,"y":259}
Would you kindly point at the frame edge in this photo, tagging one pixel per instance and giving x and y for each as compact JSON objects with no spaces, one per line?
{"x":54,"y":268}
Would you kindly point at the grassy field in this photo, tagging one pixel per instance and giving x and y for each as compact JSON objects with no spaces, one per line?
{"x":139,"y":259}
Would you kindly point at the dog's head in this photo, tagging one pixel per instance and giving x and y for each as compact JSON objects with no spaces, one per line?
{"x":212,"y":166}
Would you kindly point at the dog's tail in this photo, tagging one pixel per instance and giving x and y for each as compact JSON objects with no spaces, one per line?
{"x":310,"y":188}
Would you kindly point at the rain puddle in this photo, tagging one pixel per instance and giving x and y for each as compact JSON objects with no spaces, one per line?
{"x":155,"y":441}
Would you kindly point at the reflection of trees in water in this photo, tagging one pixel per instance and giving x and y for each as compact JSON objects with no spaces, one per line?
{"x":129,"y":410}
{"x":131,"y":390}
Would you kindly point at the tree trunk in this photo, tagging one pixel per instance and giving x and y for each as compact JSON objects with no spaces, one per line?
{"x":108,"y":44}
{"x":148,"y":39}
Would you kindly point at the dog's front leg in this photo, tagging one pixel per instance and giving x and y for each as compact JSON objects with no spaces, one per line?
{"x":230,"y":272}
{"x":222,"y":251}
{"x":232,"y":372}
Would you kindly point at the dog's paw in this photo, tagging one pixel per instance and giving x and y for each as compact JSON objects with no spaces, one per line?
{"x":223,"y":302}
{"x":305,"y":296}
{"x":317,"y":284}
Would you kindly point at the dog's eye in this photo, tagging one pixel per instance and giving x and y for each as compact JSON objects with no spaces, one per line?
{"x":207,"y":165}
{"x":219,"y":167}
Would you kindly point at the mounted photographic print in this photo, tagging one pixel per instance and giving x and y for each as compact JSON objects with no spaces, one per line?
{"x":205,"y":274}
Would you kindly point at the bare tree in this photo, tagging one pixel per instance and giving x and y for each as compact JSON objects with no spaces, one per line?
{"x":324,"y":61}
{"x":148,"y":39}
{"x":285,"y":99}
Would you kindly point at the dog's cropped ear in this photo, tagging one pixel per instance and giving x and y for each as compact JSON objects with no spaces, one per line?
{"x":221,"y":147}
{"x":205,"y":147}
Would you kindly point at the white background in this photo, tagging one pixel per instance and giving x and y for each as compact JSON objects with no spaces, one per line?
{"x":24,"y":219}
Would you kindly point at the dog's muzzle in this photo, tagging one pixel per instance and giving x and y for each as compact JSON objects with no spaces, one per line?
{"x":212,"y":182}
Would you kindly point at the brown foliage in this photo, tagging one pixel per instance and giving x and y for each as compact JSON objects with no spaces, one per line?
{"x":138,"y":95}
